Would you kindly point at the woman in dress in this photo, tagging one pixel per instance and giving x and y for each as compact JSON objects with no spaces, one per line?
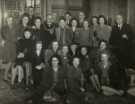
{"x":9,"y":42}
{"x":103,"y":31}
{"x":22,"y":67}
{"x":22,"y":26}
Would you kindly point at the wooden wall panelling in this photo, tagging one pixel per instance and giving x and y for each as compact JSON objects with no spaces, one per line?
{"x":98,"y":7}
{"x":75,"y":6}
{"x":22,"y":6}
{"x":109,"y":8}
{"x":131,"y":13}
{"x":61,"y":6}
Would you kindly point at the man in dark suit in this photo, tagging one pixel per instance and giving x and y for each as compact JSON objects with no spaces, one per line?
{"x":62,"y":33}
{"x":37,"y":64}
{"x":121,"y":40}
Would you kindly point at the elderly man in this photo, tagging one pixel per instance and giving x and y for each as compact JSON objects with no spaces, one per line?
{"x":121,"y":40}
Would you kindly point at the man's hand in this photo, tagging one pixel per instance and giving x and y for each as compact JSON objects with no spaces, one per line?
{"x":21,"y":55}
{"x":82,"y":89}
{"x":39,"y":67}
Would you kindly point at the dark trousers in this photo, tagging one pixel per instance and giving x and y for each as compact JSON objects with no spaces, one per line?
{"x":37,"y":77}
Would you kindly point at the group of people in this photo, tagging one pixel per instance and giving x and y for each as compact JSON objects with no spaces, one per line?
{"x":68,"y":58}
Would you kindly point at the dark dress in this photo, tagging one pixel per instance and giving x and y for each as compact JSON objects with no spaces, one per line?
{"x":51,"y":29}
{"x":52,"y":81}
{"x":24,"y":46}
{"x":103,"y":33}
{"x":37,"y":74}
{"x":75,"y":83}
{"x":122,"y":46}
{"x":85,"y":65}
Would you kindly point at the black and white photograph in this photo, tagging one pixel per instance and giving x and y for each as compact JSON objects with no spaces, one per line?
{"x":67,"y":51}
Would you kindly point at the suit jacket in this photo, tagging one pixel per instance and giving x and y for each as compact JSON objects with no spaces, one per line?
{"x":115,"y":73}
{"x":37,"y":60}
{"x":117,"y":39}
{"x":49,"y":53}
{"x":122,"y":46}
{"x":50,"y":29}
{"x":75,"y":77}
{"x":74,"y":35}
{"x":66,"y":36}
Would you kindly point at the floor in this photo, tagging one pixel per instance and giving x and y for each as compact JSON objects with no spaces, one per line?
{"x":17,"y":96}
{"x":10,"y":96}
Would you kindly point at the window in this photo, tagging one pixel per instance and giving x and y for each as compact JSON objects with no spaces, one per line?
{"x":33,"y":3}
